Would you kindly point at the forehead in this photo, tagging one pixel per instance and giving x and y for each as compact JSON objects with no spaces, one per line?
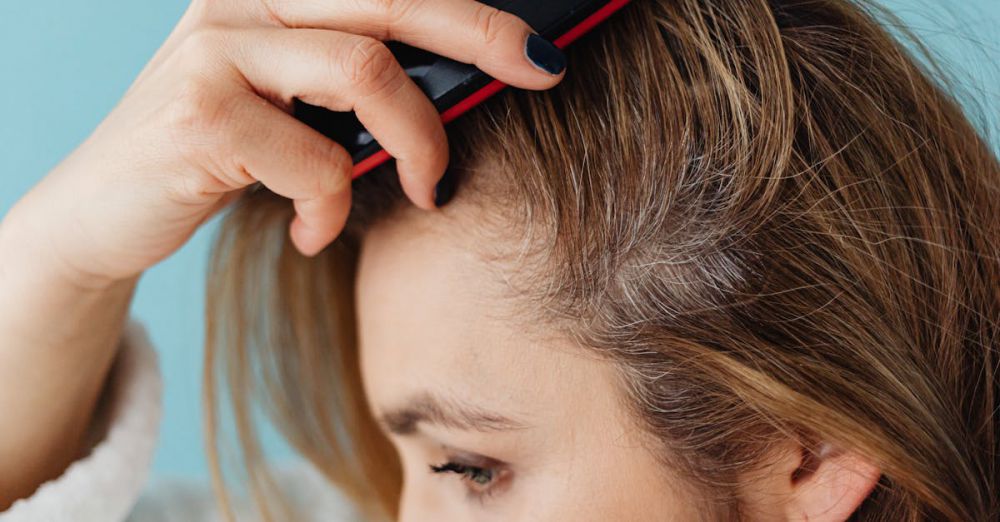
{"x":433,"y":316}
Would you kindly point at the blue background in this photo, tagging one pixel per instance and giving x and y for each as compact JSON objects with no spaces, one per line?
{"x":64,"y":64}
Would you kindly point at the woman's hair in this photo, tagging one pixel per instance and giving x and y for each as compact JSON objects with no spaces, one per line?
{"x":768,"y":215}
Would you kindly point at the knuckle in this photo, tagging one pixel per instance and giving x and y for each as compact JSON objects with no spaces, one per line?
{"x":190,"y":188}
{"x":395,"y":15}
{"x":491,"y":23}
{"x":384,"y":8}
{"x":199,"y":122}
{"x":201,"y":46}
{"x":338,"y":177}
{"x":274,"y":10}
{"x":195,"y":107}
{"x":371,"y":67}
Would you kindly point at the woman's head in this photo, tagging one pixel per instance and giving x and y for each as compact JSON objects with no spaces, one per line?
{"x":742,"y":246}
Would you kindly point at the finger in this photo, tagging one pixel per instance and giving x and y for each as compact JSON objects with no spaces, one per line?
{"x":463,"y":30}
{"x":293,"y":160}
{"x":318,"y":221}
{"x":342,"y":72}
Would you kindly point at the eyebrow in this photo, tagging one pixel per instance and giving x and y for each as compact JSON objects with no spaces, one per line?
{"x":430,"y":409}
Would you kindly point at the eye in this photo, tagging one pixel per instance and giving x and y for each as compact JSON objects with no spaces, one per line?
{"x":479,"y":479}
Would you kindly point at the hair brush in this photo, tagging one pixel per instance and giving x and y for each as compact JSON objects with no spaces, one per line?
{"x":452,"y":86}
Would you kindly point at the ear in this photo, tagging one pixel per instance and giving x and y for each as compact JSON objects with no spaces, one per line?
{"x":826,"y":484}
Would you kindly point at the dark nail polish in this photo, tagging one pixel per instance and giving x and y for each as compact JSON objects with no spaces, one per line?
{"x":544,"y":54}
{"x":445,"y":188}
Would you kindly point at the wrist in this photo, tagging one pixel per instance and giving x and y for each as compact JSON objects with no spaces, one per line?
{"x":29,"y":254}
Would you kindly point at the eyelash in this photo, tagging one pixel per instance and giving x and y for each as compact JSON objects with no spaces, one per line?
{"x":472,"y":476}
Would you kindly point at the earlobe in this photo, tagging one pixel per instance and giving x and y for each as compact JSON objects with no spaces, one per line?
{"x":829,"y":484}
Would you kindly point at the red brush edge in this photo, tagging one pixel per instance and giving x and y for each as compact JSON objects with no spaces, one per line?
{"x":496,"y":86}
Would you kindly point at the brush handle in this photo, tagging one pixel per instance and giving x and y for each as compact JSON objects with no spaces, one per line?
{"x":454,"y":87}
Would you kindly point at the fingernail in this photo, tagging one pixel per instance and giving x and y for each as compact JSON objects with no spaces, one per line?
{"x":445,"y":188}
{"x":544,"y":54}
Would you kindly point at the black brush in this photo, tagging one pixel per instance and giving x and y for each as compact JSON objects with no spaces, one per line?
{"x":452,"y":86}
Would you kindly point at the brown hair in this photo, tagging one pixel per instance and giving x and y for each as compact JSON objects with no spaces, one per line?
{"x":767,"y":214}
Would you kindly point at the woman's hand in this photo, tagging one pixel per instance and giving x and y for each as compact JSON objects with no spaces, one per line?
{"x":207,"y":117}
{"x":210,"y":115}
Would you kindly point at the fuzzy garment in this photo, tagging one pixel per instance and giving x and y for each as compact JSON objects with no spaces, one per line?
{"x":109,"y":484}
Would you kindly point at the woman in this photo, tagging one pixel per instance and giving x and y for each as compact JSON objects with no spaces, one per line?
{"x":741,"y":264}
